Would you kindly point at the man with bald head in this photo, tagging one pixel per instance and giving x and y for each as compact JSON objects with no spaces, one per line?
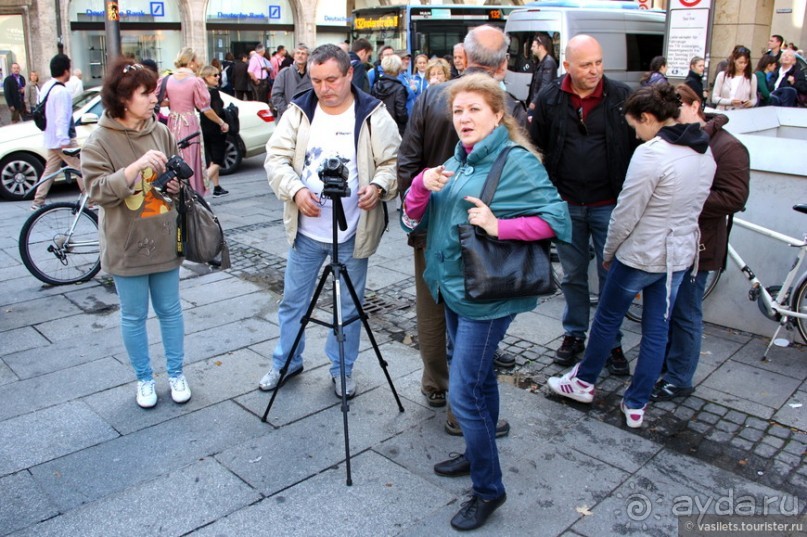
{"x":587,"y":145}
{"x":430,"y":140}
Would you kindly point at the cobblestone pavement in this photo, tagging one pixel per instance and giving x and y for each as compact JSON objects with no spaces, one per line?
{"x":765,"y":451}
{"x":77,"y":457}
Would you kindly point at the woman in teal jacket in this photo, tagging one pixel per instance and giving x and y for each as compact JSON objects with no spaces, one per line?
{"x":525,"y":206}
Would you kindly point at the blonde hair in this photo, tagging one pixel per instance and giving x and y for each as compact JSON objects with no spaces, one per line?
{"x":185,"y":57}
{"x":438,"y":63}
{"x":208,"y":70}
{"x":494,"y":96}
{"x":391,"y":65}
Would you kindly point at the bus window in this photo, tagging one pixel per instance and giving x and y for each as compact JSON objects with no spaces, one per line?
{"x":642,"y":48}
{"x":521,"y":59}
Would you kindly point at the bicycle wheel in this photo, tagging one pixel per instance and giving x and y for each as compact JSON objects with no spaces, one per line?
{"x":48,"y":254}
{"x":635,"y":311}
{"x":799,"y":304}
{"x":711,"y":282}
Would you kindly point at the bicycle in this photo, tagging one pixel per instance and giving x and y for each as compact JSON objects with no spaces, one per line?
{"x":785,"y":303}
{"x":789,"y":309}
{"x":59,"y":242}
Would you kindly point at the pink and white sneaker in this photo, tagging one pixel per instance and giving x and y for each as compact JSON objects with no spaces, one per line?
{"x":572,"y":387}
{"x":633,"y":416}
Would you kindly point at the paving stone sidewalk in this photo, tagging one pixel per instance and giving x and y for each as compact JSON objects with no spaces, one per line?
{"x":77,"y":456}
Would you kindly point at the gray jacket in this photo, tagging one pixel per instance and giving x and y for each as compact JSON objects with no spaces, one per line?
{"x":288,"y":83}
{"x":654,"y":226}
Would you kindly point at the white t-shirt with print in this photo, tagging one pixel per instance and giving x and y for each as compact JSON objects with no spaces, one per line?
{"x":331,"y":135}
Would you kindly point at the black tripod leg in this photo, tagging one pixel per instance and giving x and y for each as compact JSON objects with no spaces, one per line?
{"x":303,"y":322}
{"x":363,"y":318}
{"x":339,"y":333}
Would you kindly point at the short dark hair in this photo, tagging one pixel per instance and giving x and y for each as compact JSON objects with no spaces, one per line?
{"x":59,"y":64}
{"x":361,"y":44}
{"x":659,"y":100}
{"x":778,"y":38}
{"x":329,"y":51}
{"x":120,"y":86}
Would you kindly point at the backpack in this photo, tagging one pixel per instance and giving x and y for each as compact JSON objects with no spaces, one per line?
{"x":38,"y":113}
{"x":231,"y":117}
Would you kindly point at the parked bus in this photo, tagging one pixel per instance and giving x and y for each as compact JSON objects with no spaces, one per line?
{"x":630,"y":37}
{"x":432,"y":30}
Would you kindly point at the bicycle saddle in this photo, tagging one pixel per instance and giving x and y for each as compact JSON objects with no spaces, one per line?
{"x":800,"y":207}
{"x":72,"y":152}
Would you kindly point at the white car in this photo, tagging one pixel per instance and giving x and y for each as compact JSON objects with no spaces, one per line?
{"x":23,"y":155}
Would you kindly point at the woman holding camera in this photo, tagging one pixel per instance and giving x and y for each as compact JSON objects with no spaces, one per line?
{"x":138,"y":224}
{"x":525,"y":207}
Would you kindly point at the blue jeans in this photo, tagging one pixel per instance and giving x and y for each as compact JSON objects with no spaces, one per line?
{"x":474,"y":395}
{"x":621,"y":287}
{"x":686,"y":331}
{"x":305,"y":259}
{"x":589,"y":224}
{"x":133,"y":292}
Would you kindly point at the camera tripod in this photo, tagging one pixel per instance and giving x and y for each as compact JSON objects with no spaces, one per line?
{"x":337,"y":271}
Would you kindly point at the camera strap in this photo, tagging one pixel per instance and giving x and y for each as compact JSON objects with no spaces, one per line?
{"x":182,"y":221}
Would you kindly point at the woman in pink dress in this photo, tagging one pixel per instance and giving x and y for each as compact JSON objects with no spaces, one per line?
{"x":187,"y":93}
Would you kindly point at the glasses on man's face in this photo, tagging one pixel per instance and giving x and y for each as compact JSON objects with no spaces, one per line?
{"x":132,"y":67}
{"x":580,"y":123}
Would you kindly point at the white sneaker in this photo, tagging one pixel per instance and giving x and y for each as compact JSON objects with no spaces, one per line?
{"x":146,"y":394}
{"x":633,"y":416}
{"x":180,"y":392}
{"x":350,"y":386}
{"x":270,"y":380}
{"x":572,"y":387}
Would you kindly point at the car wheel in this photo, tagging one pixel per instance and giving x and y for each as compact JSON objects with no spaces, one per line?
{"x":18,"y":173}
{"x":232,"y":156}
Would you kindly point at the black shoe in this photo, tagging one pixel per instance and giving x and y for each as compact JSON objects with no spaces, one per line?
{"x":218,"y":191}
{"x":456,"y":467}
{"x":617,"y":364}
{"x":502,"y":428}
{"x":502,"y":359}
{"x":568,"y":352}
{"x":475,"y":512}
{"x":664,"y":391}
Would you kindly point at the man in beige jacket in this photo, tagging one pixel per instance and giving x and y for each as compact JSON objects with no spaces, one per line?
{"x":337,"y":123}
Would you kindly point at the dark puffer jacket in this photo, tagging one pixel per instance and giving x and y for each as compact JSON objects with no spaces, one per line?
{"x":392,"y":93}
{"x":728,"y":193}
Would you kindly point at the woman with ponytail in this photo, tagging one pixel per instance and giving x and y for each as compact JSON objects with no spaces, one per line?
{"x":652,"y":241}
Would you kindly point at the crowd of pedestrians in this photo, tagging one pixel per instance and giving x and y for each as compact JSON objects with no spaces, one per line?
{"x":642,"y":181}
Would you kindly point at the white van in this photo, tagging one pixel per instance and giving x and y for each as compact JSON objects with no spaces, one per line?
{"x":630,"y":37}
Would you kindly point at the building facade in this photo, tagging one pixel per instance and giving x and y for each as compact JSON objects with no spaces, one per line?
{"x":32,"y":31}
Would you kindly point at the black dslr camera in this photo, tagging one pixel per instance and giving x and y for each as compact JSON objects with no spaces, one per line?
{"x":334,"y":175}
{"x":175,"y":167}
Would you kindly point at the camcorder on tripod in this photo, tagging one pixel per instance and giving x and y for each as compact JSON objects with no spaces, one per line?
{"x":334,"y":175}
